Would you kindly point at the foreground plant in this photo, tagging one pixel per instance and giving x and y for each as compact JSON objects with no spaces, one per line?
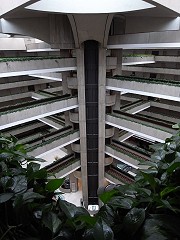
{"x":27,"y":208}
{"x":148,"y":209}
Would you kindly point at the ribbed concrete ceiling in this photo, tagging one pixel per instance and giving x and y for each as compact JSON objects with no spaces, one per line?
{"x":89,"y":6}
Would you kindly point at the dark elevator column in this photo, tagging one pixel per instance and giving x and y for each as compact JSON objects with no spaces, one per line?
{"x":91,"y":61}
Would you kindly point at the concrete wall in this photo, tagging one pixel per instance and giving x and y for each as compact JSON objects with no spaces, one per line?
{"x":149,"y":24}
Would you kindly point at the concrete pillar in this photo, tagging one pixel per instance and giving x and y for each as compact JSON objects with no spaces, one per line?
{"x":102,"y":109}
{"x":118,"y":71}
{"x":117,"y":53}
{"x":66,"y":90}
{"x":82,"y":121}
{"x":66,"y":114}
{"x":73,"y":183}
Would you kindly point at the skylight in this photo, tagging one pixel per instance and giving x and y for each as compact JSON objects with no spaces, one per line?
{"x":89,"y":6}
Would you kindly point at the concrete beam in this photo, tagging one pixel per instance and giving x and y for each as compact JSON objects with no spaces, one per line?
{"x":169,"y":71}
{"x":147,"y":130}
{"x":146,"y":89}
{"x":121,"y":157}
{"x":12,"y":44}
{"x":41,"y":150}
{"x":13,"y":5}
{"x":148,"y":40}
{"x":169,"y":4}
{"x":19,"y":68}
{"x":10,"y":119}
{"x":68,"y":170}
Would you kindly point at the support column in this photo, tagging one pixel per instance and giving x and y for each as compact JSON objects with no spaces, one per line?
{"x":91,"y":64}
{"x":82,"y":121}
{"x":66,"y":90}
{"x":73,"y":183}
{"x":102,"y":113}
{"x":118,"y":71}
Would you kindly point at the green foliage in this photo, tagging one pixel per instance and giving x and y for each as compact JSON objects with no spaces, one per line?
{"x":32,"y":104}
{"x":147,"y":124}
{"x":147,"y":80}
{"x":147,"y":209}
{"x":22,"y":59}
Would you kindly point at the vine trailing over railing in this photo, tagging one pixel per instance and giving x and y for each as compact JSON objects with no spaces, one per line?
{"x":22,"y":59}
{"x":137,"y":55}
{"x":119,"y":176}
{"x":63,"y":165}
{"x":32,"y":104}
{"x":48,"y":141}
{"x":147,"y":80}
{"x":140,"y":122}
{"x":133,"y":105}
{"x":127,"y":153}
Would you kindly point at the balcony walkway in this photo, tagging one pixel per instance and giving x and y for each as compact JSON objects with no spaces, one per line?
{"x":159,"y":88}
{"x":64,"y":166}
{"x":10,"y":67}
{"x":117,"y":176}
{"x":52,"y":141}
{"x":127,"y":154}
{"x":25,"y":112}
{"x":154,"y":129}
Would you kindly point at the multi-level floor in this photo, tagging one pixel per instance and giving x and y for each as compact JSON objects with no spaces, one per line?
{"x":89,"y":87}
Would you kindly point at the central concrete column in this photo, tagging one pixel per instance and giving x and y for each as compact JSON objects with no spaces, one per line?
{"x":101,"y":117}
{"x":82,"y":122}
{"x":91,"y":64}
{"x":118,"y":71}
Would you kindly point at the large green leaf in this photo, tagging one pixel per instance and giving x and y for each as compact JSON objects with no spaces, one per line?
{"x":107,"y":214}
{"x":4,"y":197}
{"x":120,"y":202}
{"x":161,"y":227}
{"x":133,"y":221}
{"x":173,"y":167}
{"x":168,"y":190}
{"x":158,"y":146}
{"x":87,"y":219}
{"x":166,"y":204}
{"x":54,"y":184}
{"x":159,"y":155}
{"x":150,"y":179}
{"x":51,"y":221}
{"x":106,"y":196}
{"x":19,"y":184}
{"x":64,"y":234}
{"x":30,"y":196}
{"x":171,"y":223}
{"x":70,"y":210}
{"x":100,"y":231}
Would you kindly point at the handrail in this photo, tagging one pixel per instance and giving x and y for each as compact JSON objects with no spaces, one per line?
{"x":60,"y":166}
{"x":120,"y":175}
{"x":128,"y":152}
{"x":130,"y":147}
{"x":48,"y":141}
{"x":146,"y":80}
{"x":137,"y":117}
{"x":132,"y":104}
{"x":20,"y":59}
{"x":60,"y":160}
{"x":43,"y":92}
{"x":49,"y":135}
{"x":156,"y":119}
{"x":30,"y":104}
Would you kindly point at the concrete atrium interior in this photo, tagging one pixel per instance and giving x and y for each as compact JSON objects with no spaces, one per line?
{"x":89,"y":85}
